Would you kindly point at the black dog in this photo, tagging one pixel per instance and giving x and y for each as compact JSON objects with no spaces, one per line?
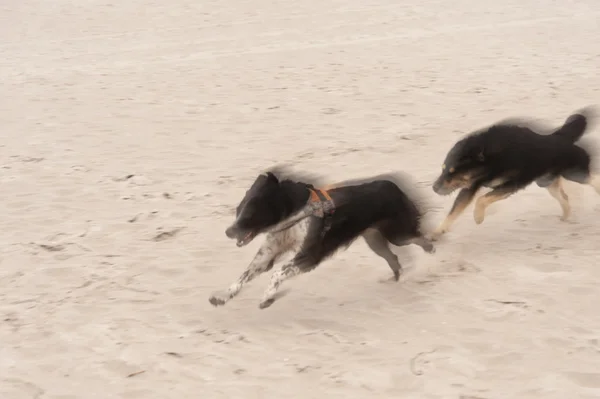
{"x":508,"y":157}
{"x":314,"y":223}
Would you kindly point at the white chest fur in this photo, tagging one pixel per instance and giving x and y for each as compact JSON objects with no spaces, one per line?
{"x":290,"y":239}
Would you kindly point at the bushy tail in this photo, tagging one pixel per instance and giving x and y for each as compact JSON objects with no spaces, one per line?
{"x":575,"y":125}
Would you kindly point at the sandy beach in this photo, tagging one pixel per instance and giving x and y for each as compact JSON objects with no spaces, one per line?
{"x":131,"y":130}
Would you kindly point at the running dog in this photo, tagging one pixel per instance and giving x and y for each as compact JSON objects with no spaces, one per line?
{"x":507,"y":157}
{"x":314,"y":223}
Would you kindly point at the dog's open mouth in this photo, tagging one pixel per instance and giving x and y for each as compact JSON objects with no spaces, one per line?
{"x":245,"y":239}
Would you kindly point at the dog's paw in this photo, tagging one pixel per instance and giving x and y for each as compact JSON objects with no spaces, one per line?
{"x":394,"y":278}
{"x":479,"y":216}
{"x":565,"y":217}
{"x":266,"y":303}
{"x":219,"y":298}
{"x":429,"y":247}
{"x":435,"y":235}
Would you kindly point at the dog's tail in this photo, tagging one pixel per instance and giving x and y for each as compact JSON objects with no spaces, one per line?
{"x":576,"y":125}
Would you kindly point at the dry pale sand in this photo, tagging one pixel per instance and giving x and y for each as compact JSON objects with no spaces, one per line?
{"x":125,"y":120}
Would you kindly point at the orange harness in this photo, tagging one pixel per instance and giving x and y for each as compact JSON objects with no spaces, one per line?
{"x":320,"y":204}
{"x":326,"y":209}
{"x":317,"y":194}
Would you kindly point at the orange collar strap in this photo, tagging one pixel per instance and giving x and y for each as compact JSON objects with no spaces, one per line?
{"x":319,"y":195}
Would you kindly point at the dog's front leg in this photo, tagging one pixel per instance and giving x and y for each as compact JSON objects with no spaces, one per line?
{"x":301,"y":263}
{"x":463,"y":200}
{"x":288,"y":271}
{"x":497,"y":194}
{"x":262,"y":262}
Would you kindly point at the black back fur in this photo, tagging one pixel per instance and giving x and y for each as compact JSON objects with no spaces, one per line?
{"x":515,"y":155}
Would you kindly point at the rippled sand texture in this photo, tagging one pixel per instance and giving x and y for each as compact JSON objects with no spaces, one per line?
{"x":130,"y":131}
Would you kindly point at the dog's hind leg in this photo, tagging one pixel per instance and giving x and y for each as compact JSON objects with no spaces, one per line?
{"x":582,"y":175}
{"x":416,"y":239}
{"x":464,"y":198}
{"x":424,"y":243}
{"x":580,"y":172}
{"x":262,"y":262}
{"x":556,"y":190}
{"x":379,"y":244}
{"x":594,"y":181}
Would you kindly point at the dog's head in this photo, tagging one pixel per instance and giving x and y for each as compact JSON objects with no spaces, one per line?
{"x":260,"y":209}
{"x":464,"y":164}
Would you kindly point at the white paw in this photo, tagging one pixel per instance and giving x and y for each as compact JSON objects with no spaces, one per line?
{"x":219,"y":298}
{"x":479,"y":216}
{"x":435,"y":235}
{"x":266,"y":303}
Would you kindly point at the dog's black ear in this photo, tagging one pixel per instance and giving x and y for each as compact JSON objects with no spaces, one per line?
{"x":481,"y":156}
{"x":271,"y":178}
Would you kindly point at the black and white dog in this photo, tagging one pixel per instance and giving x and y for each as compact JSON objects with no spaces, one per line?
{"x":313,"y":223}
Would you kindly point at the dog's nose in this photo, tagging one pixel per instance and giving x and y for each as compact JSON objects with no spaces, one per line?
{"x":230,"y":232}
{"x":436,"y":186}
